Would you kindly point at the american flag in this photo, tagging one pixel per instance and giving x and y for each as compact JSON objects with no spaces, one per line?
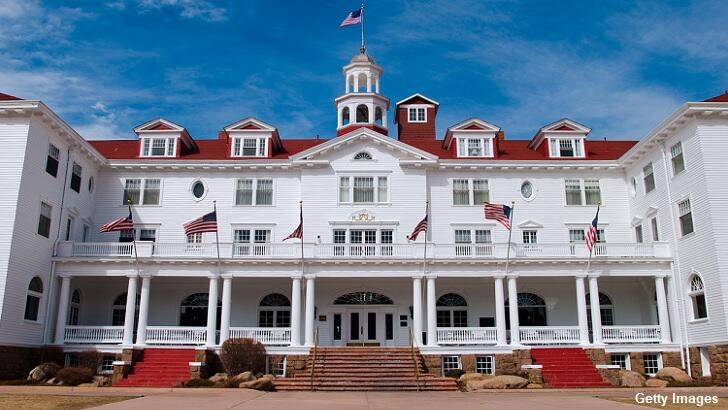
{"x":499,"y":212}
{"x":592,"y":236}
{"x":205,"y":223}
{"x":298,"y":232}
{"x":120,"y":224}
{"x":421,"y":227}
{"x":353,"y":18}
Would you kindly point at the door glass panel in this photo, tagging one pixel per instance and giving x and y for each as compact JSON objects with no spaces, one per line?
{"x":443,"y":318}
{"x":356,"y":237}
{"x":389,"y":326}
{"x":354,"y":326}
{"x":372,"y":326}
{"x":337,"y":326}
{"x":370,"y":237}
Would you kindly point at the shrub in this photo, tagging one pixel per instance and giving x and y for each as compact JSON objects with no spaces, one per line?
{"x":90,"y":360}
{"x":73,"y":376}
{"x":52,"y":354}
{"x":197,"y":383}
{"x":454,"y":373}
{"x":241,"y":355}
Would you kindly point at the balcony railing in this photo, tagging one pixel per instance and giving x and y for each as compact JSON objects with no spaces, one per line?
{"x":549,"y":334}
{"x":466,"y":335}
{"x":270,"y":336}
{"x":175,"y":335}
{"x":93,"y":334}
{"x":631,"y":334}
{"x":361,"y":251}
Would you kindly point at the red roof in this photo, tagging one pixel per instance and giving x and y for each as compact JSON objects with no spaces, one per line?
{"x":718,"y":98}
{"x":8,"y":97}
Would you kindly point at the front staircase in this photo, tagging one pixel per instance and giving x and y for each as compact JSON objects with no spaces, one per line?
{"x":159,"y":368}
{"x":567,"y":367}
{"x":366,"y":369}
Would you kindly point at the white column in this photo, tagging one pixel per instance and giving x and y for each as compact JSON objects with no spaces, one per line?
{"x":369,"y":82}
{"x":417,"y":310}
{"x":62,"y":314}
{"x":141,"y":338}
{"x":431,"y":312}
{"x":376,"y":82}
{"x":513,"y":310}
{"x":371,"y":113}
{"x":212,"y":311}
{"x":356,"y":83}
{"x":310,"y":310}
{"x":500,"y":312}
{"x":227,"y":285}
{"x":581,"y":311}
{"x":662,"y":316}
{"x":596,"y":315}
{"x":296,"y":312}
{"x":131,"y":291}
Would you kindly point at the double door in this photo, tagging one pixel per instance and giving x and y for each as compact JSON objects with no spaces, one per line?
{"x":363,"y":326}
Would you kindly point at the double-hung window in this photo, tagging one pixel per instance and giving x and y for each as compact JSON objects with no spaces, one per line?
{"x":652,"y":362}
{"x":648,"y":176}
{"x":417,"y":114}
{"x":566,"y":147}
{"x":473,"y":242}
{"x":530,"y":240}
{"x":52,"y":160}
{"x":573,"y":192}
{"x":142,"y":191}
{"x":250,"y":147}
{"x":363,"y":189}
{"x":44,"y":220}
{"x":685,"y":213}
{"x":639,"y":236}
{"x":158,"y":147}
{"x":76,"y":171}
{"x":254,"y":191}
{"x":477,"y":147}
{"x":251,"y":241}
{"x":655,"y":230}
{"x":485,"y":364}
{"x":677,"y":159}
{"x":580,"y":192}
{"x":467,"y":191}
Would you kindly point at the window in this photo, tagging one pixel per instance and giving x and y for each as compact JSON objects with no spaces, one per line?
{"x":75,"y":308}
{"x":697,"y":297}
{"x":52,"y":160}
{"x":417,"y":114}
{"x":251,"y":241}
{"x":464,"y":242}
{"x":475,"y":147}
{"x":527,"y":190}
{"x":606,"y":310}
{"x":620,"y":359}
{"x":198,"y":190}
{"x":649,"y":178}
{"x":530,"y":237}
{"x":573,"y":192}
{"x":91,"y":184}
{"x":362,"y":156}
{"x":678,"y":162}
{"x":450,"y":363}
{"x":652,"y":363}
{"x":363,"y":189}
{"x":686,"y":217}
{"x":106,"y":366}
{"x":86,"y":233}
{"x":44,"y":220}
{"x":452,"y":311}
{"x":566,"y":147}
{"x":484,"y":365}
{"x":118,"y":310}
{"x":250,"y":147}
{"x":76,"y":177}
{"x":590,"y":195}
{"x":32,"y":299}
{"x":158,"y":147}
{"x":462,"y":194}
{"x":276,"y":365}
{"x":147,"y":234}
{"x":638,"y":236}
{"x":261,"y":195}
{"x":275,"y":311}
{"x":655,"y":230}
{"x":135,"y":195}
{"x":69,"y":228}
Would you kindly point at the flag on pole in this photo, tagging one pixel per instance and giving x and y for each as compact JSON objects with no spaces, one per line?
{"x":205,"y":223}
{"x":499,"y":212}
{"x":298,"y":232}
{"x":120,"y":224}
{"x":421,"y":227}
{"x":592,"y":236}
{"x":352,"y":19}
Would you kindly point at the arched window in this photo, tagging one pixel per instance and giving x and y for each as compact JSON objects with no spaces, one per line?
{"x":118,"y":311}
{"x":275,"y":311}
{"x":697,"y":296}
{"x":362,"y":156}
{"x":362,"y":113}
{"x":606,"y":310}
{"x":362,"y":83}
{"x":32,"y":300}
{"x":345,"y":116}
{"x":531,"y":310}
{"x":193,"y":310}
{"x":75,"y":308}
{"x":363,"y":298}
{"x":452,"y":311}
{"x":378,"y":116}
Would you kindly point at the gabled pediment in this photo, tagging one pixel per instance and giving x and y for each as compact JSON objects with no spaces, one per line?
{"x":636,"y":220}
{"x":652,"y":210}
{"x":474,"y":124}
{"x":158,"y":125}
{"x":530,"y":224}
{"x":417,"y":98}
{"x":250,"y":124}
{"x":566,"y":125}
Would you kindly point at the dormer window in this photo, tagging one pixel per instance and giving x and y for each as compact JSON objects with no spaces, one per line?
{"x":158,"y":147}
{"x":566,"y":147}
{"x":417,"y":114}
{"x":250,"y":147}
{"x":475,"y":147}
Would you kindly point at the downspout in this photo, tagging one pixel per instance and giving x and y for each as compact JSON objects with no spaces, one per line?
{"x":684,"y":342}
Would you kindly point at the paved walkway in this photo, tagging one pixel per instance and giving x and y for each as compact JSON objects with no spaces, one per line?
{"x":209,"y":399}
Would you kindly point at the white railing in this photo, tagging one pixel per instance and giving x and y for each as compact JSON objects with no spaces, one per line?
{"x":264,"y":335}
{"x":101,"y":248}
{"x":466,"y":335}
{"x":549,"y":334}
{"x":631,"y":334}
{"x":373,"y":250}
{"x":175,"y":335}
{"x":93,"y":334}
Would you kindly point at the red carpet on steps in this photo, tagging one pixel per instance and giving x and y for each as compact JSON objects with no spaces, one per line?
{"x":567,"y":367}
{"x":160,"y":368}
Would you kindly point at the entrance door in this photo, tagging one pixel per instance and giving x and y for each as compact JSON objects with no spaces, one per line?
{"x":363,"y":326}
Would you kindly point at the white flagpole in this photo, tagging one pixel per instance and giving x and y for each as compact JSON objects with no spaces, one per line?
{"x":300,"y":207}
{"x":217,"y":237}
{"x":591,"y":250}
{"x":363,"y":48}
{"x":133,"y":237}
{"x":510,"y":234}
{"x":424,"y":253}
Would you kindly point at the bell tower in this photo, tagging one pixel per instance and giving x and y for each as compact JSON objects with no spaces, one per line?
{"x":361,"y":105}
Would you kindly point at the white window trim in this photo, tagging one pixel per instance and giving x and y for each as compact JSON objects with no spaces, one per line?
{"x":582,"y":189}
{"x":167,"y":141}
{"x":659,"y":362}
{"x":692,"y":216}
{"x":204,"y":194}
{"x":627,"y":358}
{"x":416,"y":107}
{"x":692,"y":293}
{"x":40,"y":210}
{"x":492,"y":361}
{"x":576,"y":140}
{"x":471,"y":191}
{"x":377,"y":228}
{"x":536,"y":231}
{"x":351,"y":177}
{"x":685,"y":162}
{"x":142,"y":191}
{"x":644,"y":177}
{"x":486,"y":143}
{"x":258,"y":139}
{"x":255,"y":192}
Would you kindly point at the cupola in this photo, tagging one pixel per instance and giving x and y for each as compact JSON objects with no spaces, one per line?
{"x":361,"y":105}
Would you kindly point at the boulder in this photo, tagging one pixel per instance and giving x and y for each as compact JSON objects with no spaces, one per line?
{"x":43,"y":372}
{"x":264,"y":383}
{"x":673,"y":374}
{"x":628,"y":378}
{"x":102,"y":381}
{"x":472,"y":376}
{"x":534,"y":386}
{"x":656,"y":383}
{"x":219,"y":378}
{"x":505,"y":382}
{"x":245,"y":377}
{"x":52,"y":380}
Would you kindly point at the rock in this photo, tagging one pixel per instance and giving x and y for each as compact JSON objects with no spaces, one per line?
{"x":534,"y":386}
{"x":264,"y":383}
{"x":219,"y":378}
{"x":465,"y":378}
{"x":43,"y":372}
{"x":102,"y":381}
{"x":628,"y":378}
{"x":505,"y":382}
{"x":245,"y":377}
{"x":656,"y":383}
{"x":52,"y":380}
{"x":673,"y":373}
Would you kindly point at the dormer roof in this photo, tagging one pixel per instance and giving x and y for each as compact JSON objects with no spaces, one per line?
{"x":253,"y":125}
{"x":164,"y":126}
{"x":415,"y":98}
{"x":563,"y":126}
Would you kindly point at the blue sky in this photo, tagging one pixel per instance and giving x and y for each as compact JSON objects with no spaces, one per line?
{"x":618,"y":67}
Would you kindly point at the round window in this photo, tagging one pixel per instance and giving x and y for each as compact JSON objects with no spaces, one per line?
{"x":91,"y":184}
{"x":527,"y":190}
{"x":198,"y":189}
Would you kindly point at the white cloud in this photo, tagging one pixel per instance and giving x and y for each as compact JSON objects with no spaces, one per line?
{"x":192,"y":9}
{"x":28,"y":21}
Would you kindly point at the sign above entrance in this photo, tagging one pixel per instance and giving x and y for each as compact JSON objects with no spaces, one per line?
{"x":363,"y":215}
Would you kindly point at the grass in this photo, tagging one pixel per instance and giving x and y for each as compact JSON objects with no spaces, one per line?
{"x":722,"y":403}
{"x":57,"y":402}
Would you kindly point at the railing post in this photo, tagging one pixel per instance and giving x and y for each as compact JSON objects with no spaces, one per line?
{"x":131,"y":291}
{"x":141,"y":338}
{"x":63,"y":300}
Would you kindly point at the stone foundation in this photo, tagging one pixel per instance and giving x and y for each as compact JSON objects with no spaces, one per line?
{"x":129,"y":356}
{"x":296,"y":364}
{"x":718,"y":365}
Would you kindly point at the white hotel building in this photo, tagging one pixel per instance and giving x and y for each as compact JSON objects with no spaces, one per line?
{"x":655,"y":287}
